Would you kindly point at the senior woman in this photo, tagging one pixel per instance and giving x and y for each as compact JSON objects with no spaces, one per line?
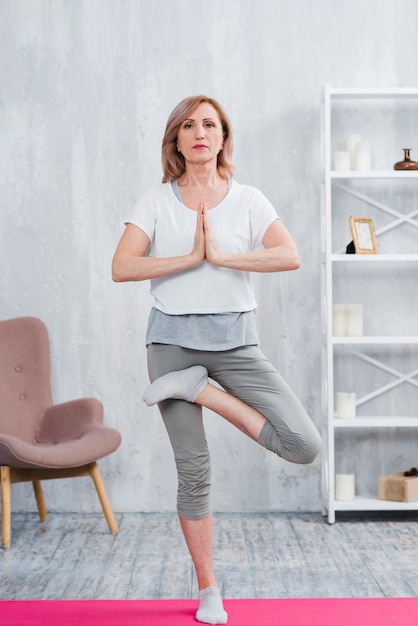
{"x":197,"y":237}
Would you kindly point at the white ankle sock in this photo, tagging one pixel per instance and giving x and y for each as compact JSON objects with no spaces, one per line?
{"x":211,"y":610}
{"x":181,"y":385}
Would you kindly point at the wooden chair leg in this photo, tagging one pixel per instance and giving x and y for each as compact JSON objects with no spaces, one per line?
{"x":5,"y":506}
{"x":104,"y":500}
{"x":40,"y":501}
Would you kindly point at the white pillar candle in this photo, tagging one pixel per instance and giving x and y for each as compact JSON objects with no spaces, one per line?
{"x":354,"y":320}
{"x":345,"y":487}
{"x":350,"y":145}
{"x":342,"y":160}
{"x":362,"y":158}
{"x":339,"y":317}
{"x":346,"y":405}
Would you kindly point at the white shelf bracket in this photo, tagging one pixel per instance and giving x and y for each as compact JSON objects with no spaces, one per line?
{"x":401,"y":218}
{"x":400,"y":377}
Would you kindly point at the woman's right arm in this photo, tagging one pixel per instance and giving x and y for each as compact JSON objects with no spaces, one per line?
{"x":130,"y":262}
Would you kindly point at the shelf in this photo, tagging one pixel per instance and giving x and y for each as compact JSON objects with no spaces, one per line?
{"x":384,"y":421}
{"x":392,"y":92}
{"x":392,"y":202}
{"x":374,"y":340}
{"x":334,"y":174}
{"x":373,"y":258}
{"x":373,"y":504}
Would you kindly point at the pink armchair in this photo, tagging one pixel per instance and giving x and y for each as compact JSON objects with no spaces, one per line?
{"x":40,"y":440}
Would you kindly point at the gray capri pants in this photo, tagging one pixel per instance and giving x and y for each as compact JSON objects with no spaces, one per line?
{"x":243,"y":372}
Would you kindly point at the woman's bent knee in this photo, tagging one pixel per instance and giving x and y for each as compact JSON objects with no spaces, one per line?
{"x":292,"y":446}
{"x":302,"y":449}
{"x":312,"y":450}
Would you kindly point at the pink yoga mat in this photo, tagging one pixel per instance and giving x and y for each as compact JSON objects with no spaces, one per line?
{"x":261,"y":612}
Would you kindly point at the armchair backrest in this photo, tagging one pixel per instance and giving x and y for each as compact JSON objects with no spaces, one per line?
{"x":25,"y":369}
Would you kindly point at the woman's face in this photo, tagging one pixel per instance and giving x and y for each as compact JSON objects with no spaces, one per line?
{"x":200,"y":137}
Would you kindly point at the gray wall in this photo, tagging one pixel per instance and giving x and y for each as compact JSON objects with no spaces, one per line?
{"x":86,"y":87}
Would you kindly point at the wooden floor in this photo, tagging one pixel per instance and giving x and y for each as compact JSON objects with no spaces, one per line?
{"x":73,"y":556}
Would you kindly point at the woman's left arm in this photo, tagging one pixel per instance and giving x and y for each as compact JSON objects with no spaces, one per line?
{"x":280,"y":253}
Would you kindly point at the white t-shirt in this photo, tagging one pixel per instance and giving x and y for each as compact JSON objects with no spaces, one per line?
{"x":238,"y":223}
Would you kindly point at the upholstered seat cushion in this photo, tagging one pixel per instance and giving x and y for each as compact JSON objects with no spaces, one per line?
{"x":94,"y":444}
{"x":70,"y":434}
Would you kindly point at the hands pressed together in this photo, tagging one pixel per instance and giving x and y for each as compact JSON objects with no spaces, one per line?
{"x":205,"y":247}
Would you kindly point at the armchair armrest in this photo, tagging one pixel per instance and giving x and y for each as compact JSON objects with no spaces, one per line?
{"x":69,"y":420}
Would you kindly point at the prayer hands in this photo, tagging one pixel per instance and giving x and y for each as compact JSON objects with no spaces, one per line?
{"x":204,"y":242}
{"x":199,"y":252}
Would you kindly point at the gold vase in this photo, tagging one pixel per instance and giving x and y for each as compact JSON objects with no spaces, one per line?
{"x":406,"y":164}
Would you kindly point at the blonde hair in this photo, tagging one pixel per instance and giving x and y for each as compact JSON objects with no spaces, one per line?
{"x":173,"y":161}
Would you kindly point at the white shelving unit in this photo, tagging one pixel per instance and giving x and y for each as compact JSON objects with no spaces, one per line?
{"x":334,"y":259}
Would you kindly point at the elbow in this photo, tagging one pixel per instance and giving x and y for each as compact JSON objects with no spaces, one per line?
{"x":292,"y":260}
{"x":287,"y":259}
{"x":295,"y":262}
{"x":117,"y":275}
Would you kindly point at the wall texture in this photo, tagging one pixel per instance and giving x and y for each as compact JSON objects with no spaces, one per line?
{"x":86,"y":87}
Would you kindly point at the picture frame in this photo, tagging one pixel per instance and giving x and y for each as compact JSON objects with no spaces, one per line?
{"x":364,"y":236}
